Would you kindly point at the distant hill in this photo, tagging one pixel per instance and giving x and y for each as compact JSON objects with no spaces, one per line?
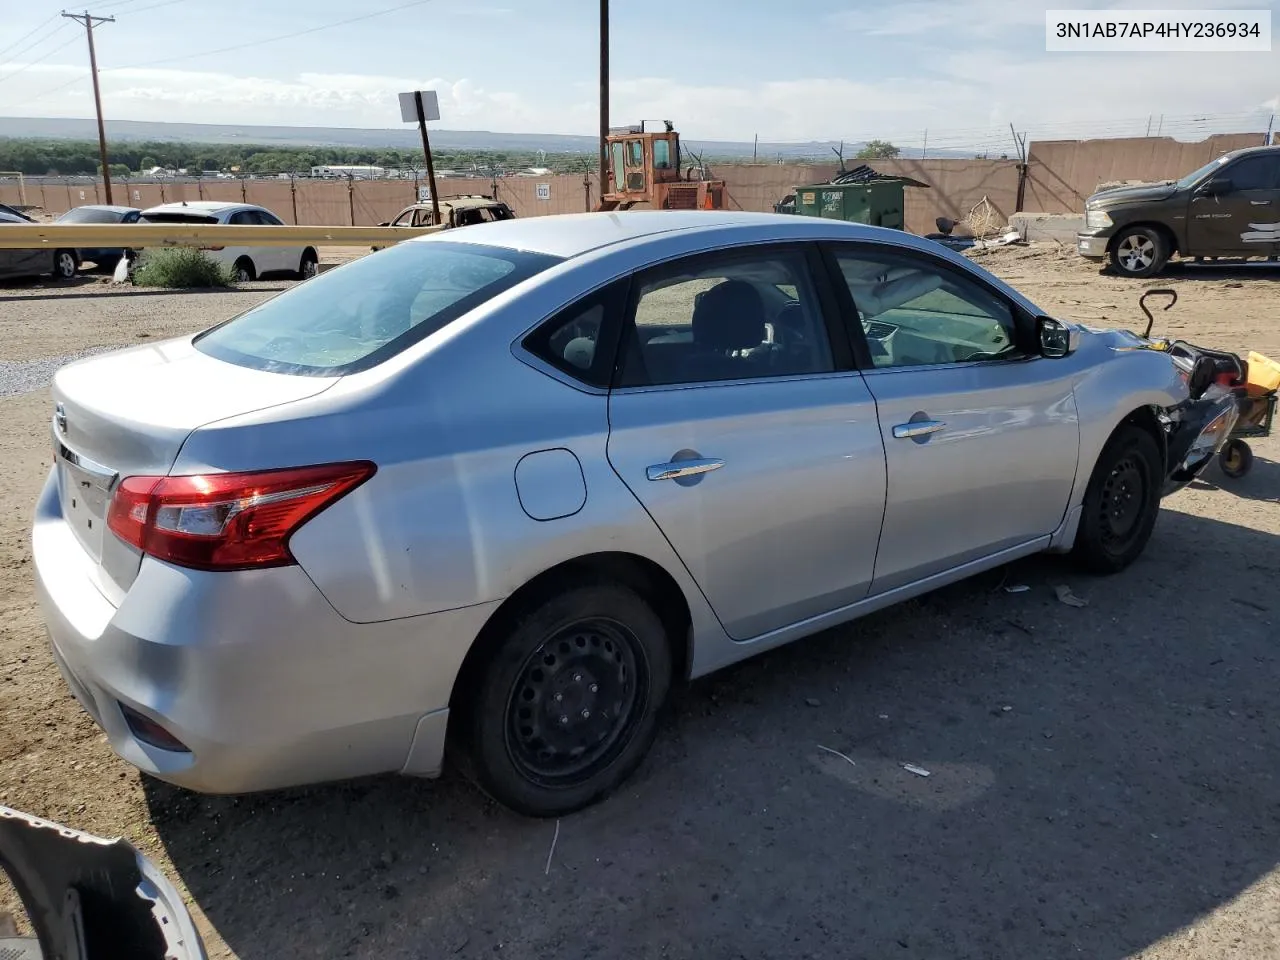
{"x":406,"y":137}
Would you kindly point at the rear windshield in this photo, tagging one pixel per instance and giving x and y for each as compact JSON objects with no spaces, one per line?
{"x":177,"y":218}
{"x":356,"y":317}
{"x":88,"y":215}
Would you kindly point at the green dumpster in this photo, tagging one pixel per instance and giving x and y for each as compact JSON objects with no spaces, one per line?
{"x":860,"y":196}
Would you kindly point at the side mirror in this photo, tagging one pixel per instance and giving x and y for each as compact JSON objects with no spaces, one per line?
{"x":1054,"y":337}
{"x":1216,"y":186}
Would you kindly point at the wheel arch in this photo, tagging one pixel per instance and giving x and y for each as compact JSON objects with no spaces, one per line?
{"x":314,"y":254}
{"x":1145,"y":417}
{"x":646,"y":577}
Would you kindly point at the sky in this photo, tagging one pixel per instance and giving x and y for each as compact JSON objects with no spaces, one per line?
{"x":963,"y":70}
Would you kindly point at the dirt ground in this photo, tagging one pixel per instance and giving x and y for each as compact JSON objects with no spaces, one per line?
{"x":1103,"y":780}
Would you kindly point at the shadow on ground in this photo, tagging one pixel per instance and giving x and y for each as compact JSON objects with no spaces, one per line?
{"x":1100,"y":778}
{"x":1262,"y":482}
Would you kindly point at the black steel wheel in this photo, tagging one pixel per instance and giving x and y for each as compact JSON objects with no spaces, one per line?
{"x":565,"y":706}
{"x":1235,"y":459}
{"x":573,"y":704}
{"x":1121,"y":502}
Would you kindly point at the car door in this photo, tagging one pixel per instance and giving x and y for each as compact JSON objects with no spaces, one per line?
{"x":740,"y":424}
{"x":981,"y":436}
{"x":279,"y":258}
{"x":230,"y":254}
{"x":1243,"y":219}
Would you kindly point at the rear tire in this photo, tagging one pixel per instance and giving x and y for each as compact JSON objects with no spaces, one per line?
{"x":1139,"y":252}
{"x":567,"y":703}
{"x":244,"y":271}
{"x":1121,"y":502}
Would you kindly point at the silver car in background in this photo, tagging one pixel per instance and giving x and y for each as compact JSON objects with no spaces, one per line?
{"x":499,"y":488}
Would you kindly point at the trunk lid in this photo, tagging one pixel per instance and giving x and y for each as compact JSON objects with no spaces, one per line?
{"x":128,"y":413}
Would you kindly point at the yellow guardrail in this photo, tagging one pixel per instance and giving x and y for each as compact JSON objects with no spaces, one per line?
{"x":139,"y":236}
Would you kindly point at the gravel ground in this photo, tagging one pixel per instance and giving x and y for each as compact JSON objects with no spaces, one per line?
{"x":1103,"y":780}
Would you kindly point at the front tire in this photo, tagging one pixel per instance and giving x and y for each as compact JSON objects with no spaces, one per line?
{"x":1121,"y":502}
{"x":1139,"y":252}
{"x":65,"y":265}
{"x":244,"y":271}
{"x":309,"y":266}
{"x":567,"y":704}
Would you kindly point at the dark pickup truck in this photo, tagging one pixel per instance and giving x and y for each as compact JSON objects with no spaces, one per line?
{"x":1230,"y":207}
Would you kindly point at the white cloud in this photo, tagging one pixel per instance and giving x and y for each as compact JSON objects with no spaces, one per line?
{"x":971,"y":95}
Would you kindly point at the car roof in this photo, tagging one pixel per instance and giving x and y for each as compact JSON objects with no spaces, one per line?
{"x":458,"y":202}
{"x":1249,"y":151}
{"x":574,"y":234}
{"x":201,"y":206}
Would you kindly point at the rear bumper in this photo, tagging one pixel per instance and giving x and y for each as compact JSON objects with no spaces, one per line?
{"x":253,"y":671}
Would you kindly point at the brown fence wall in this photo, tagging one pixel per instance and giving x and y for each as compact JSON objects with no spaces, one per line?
{"x":1063,"y":173}
{"x":955,"y":186}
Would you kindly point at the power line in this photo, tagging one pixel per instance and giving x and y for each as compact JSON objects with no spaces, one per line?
{"x":154,"y":6}
{"x":13,"y":57}
{"x":40,"y":26}
{"x":32,"y":63}
{"x":283,"y":36}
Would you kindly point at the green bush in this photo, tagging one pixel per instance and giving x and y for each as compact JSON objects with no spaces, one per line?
{"x":180,"y":267}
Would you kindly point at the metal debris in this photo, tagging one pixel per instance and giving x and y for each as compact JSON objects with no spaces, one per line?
{"x":918,"y":771}
{"x":1065,"y":595}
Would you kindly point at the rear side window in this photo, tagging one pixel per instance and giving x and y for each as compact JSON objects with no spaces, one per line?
{"x":581,"y":340}
{"x":354,"y":318}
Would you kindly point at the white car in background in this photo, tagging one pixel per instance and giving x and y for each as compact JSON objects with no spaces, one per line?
{"x":248,"y":263}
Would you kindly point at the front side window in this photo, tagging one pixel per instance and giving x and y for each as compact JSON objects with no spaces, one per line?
{"x":725,"y":318}
{"x":915,"y":311}
{"x":357,"y":316}
{"x":661,"y":154}
{"x":619,"y":174}
{"x":1254,"y":173}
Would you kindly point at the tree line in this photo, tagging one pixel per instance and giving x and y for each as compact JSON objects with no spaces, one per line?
{"x":40,"y":157}
{"x":53,"y":158}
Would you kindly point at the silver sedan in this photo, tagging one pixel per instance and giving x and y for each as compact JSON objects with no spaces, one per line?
{"x":498,"y":489}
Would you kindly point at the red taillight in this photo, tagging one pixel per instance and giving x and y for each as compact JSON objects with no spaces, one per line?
{"x":213,"y":248}
{"x":227,"y":521}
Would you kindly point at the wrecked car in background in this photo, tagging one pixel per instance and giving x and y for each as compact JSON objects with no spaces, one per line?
{"x":1228,"y":208}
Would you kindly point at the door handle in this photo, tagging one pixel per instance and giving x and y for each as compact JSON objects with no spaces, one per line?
{"x":917,"y":428}
{"x":682,"y":468}
{"x":1259,"y":203}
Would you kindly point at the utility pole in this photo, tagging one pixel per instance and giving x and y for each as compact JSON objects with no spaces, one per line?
{"x":604,"y":98}
{"x":89,"y":22}
{"x":426,"y":150}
